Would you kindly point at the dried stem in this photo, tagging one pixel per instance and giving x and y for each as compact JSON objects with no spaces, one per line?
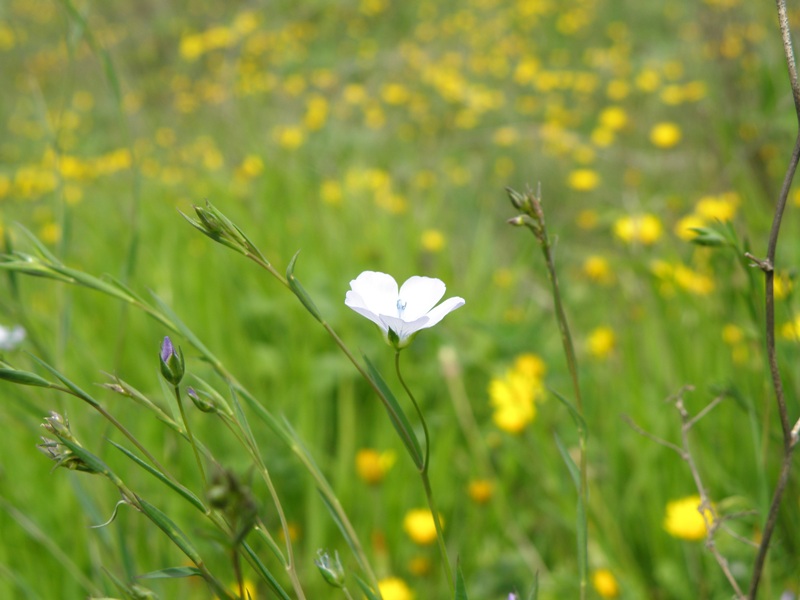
{"x":706,"y":508}
{"x":767,"y":265}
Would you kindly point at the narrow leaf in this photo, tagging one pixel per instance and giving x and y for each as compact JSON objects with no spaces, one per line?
{"x":24,"y":378}
{"x":396,"y":415}
{"x":300,"y":291}
{"x":172,"y":573}
{"x":185,"y":493}
{"x":368,"y":592}
{"x":580,"y":423}
{"x":173,"y":532}
{"x":461,"y":588}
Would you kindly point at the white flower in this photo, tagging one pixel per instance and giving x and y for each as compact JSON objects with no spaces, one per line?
{"x":11,"y":337}
{"x":400,"y":314}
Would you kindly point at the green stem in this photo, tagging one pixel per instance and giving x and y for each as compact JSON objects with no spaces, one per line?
{"x":189,"y":435}
{"x":426,"y":483}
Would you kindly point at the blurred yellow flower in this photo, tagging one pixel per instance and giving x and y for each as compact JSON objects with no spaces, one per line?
{"x":692,"y":281}
{"x":480,"y":490}
{"x":250,"y":590}
{"x":394,"y":588}
{"x":503,"y":278}
{"x":601,"y":342}
{"x":598,"y":269}
{"x":331,"y":192}
{"x":583,"y":180}
{"x":605,"y":584}
{"x":372,"y":465}
{"x":587,"y":219}
{"x":645,"y":229}
{"x":291,"y":137}
{"x":505,"y":136}
{"x":683,"y":519}
{"x":613,"y":118}
{"x":718,"y":208}
{"x":419,"y":566}
{"x":732,"y":334}
{"x":782,"y":285}
{"x":419,"y":526}
{"x":514,"y":396}
{"x":432,"y":240}
{"x":684,"y":228}
{"x":791,"y":330}
{"x":251,"y":166}
{"x":665,"y":135}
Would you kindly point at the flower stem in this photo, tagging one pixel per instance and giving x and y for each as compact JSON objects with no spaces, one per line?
{"x":189,"y":435}
{"x":426,"y":483}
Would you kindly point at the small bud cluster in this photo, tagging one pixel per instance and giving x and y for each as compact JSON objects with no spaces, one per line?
{"x":58,"y":425}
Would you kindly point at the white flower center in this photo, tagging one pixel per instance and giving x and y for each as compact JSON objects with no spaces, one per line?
{"x":401,"y":306}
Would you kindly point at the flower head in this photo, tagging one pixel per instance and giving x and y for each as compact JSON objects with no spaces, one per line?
{"x":400,"y":313}
{"x":420,"y":527}
{"x":11,"y":337}
{"x":685,"y":521}
{"x":172,"y":366}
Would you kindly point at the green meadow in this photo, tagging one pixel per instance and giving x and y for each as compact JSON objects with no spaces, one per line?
{"x":372,"y":135}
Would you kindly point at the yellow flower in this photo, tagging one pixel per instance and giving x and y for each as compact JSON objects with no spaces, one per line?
{"x":505,"y":136}
{"x":605,"y":584}
{"x":665,"y":135}
{"x":601,"y":342}
{"x":692,"y":281}
{"x":394,"y":588}
{"x":645,"y":229}
{"x":587,"y":219}
{"x":732,"y":334}
{"x":782,"y":285}
{"x":791,"y":330}
{"x":419,"y":526}
{"x":583,"y":180}
{"x":480,"y":490}
{"x":419,"y":566}
{"x":372,"y":465}
{"x":291,"y":137}
{"x":684,"y":229}
{"x":432,"y":240}
{"x":331,"y":192}
{"x":613,"y":118}
{"x":597,"y":269}
{"x":718,"y":208}
{"x":251,"y":166}
{"x":513,"y":397}
{"x":683,"y":519}
{"x":250,"y":590}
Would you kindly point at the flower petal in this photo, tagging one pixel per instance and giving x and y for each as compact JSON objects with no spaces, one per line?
{"x":404,"y":329}
{"x":356,"y":302}
{"x":420,"y":295}
{"x":378,"y":292}
{"x":441,"y":311}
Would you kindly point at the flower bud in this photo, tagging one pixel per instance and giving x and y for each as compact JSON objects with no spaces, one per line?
{"x":202,"y":404}
{"x":330,"y":568}
{"x":172,"y":365}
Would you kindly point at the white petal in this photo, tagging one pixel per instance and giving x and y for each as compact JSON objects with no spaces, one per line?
{"x":378,"y":292}
{"x":404,"y":329}
{"x":354,"y":301}
{"x":448,"y":306}
{"x":420,"y":295}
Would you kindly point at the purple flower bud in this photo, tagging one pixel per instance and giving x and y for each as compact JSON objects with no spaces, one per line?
{"x":166,"y":349}
{"x":172,"y":366}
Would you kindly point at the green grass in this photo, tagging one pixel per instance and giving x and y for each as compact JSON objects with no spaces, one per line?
{"x":470,"y":118}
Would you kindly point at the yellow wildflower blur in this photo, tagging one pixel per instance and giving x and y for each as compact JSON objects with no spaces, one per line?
{"x":394,"y":588}
{"x":605,"y":584}
{"x":583,"y":180}
{"x":644,"y":229}
{"x":684,"y":521}
{"x":514,"y":396}
{"x":680,"y":275}
{"x":372,"y":465}
{"x":480,"y":490}
{"x":432,"y":240}
{"x":250,"y":590}
{"x":601,"y":342}
{"x":419,"y":526}
{"x":665,"y":135}
{"x":598,"y":269}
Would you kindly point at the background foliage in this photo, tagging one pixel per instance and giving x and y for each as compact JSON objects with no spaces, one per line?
{"x":378,"y":135}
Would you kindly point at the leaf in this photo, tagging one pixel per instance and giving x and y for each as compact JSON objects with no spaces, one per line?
{"x":171,"y":529}
{"x":534,"y":593}
{"x":172,"y":573}
{"x":368,"y":592}
{"x":581,"y":533}
{"x":24,"y":378}
{"x":580,"y":423}
{"x":396,"y":415}
{"x":300,"y":291}
{"x":461,"y":589}
{"x":186,"y":494}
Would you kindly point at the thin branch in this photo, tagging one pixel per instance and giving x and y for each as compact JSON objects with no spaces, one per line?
{"x":789,"y":433}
